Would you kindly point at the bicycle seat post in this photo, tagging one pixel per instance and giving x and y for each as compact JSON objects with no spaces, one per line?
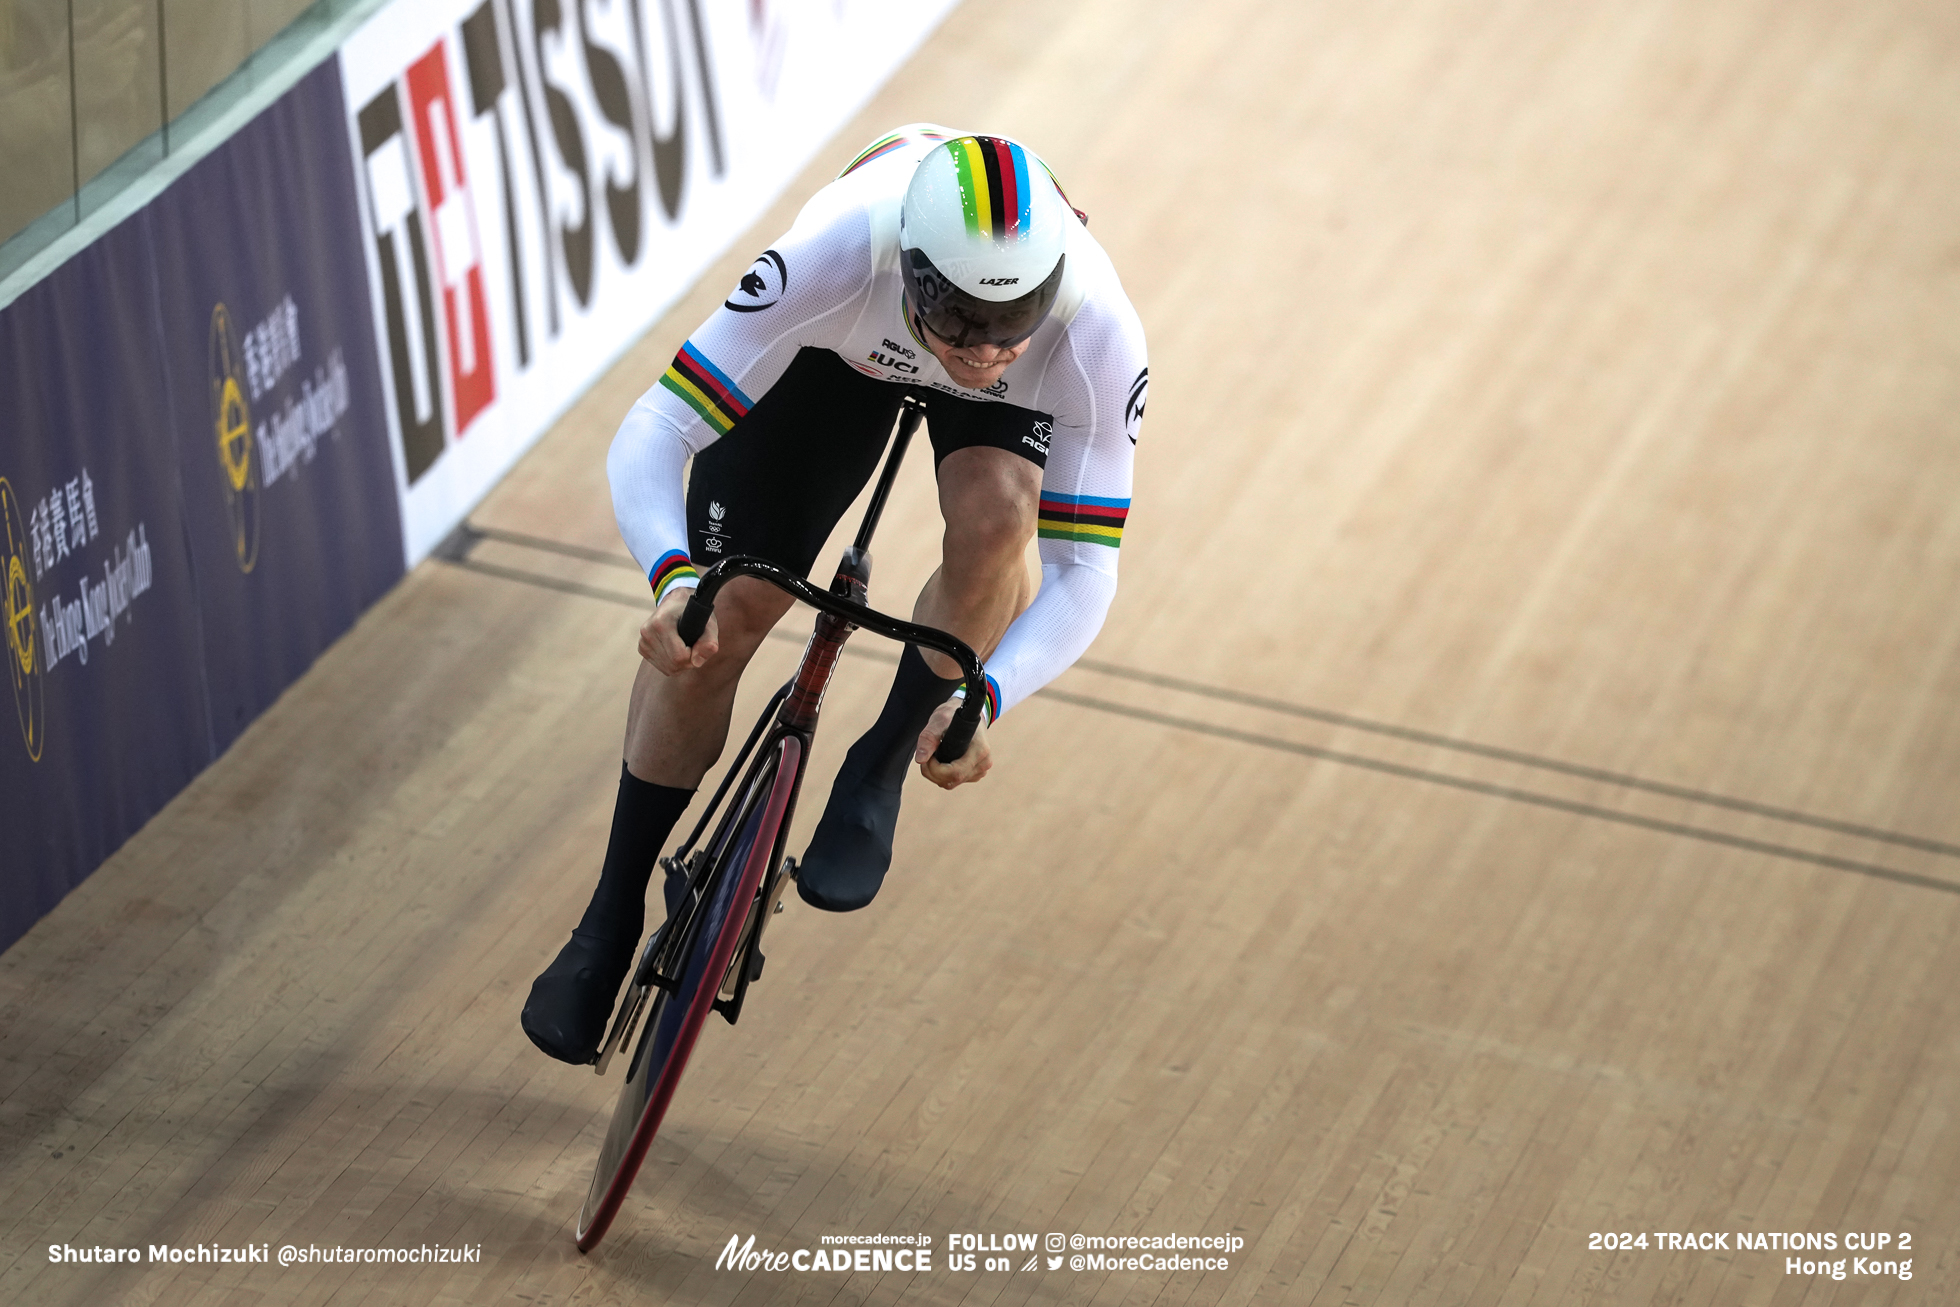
{"x":910,"y":412}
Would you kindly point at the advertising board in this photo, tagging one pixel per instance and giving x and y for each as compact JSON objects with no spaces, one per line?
{"x":541,"y":180}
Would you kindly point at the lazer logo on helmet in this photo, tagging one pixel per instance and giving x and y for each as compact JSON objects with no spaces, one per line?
{"x":1000,"y":281}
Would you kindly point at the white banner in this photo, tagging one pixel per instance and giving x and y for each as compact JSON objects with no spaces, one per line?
{"x":541,"y":179}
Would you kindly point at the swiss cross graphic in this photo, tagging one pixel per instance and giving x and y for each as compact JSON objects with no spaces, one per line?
{"x":458,"y":257}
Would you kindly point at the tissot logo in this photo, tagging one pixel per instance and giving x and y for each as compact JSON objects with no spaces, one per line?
{"x":511,"y":169}
{"x":761,"y":286}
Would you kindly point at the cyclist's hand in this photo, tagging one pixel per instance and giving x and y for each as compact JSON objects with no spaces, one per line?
{"x":975,"y":763}
{"x":661,"y":645}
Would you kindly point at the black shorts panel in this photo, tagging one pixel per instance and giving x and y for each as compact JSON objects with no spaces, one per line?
{"x":777,"y":483}
{"x":956,"y":423}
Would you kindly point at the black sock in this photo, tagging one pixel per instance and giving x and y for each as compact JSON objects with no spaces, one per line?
{"x":884,"y":753}
{"x":643,"y":816}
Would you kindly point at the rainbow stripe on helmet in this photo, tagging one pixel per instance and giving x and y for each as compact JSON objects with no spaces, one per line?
{"x":994,"y":190}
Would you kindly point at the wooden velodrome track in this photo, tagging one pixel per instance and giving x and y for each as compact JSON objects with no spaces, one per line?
{"x":1513,"y":797}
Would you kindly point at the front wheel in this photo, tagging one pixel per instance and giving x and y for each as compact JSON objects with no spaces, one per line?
{"x":674,"y":1019}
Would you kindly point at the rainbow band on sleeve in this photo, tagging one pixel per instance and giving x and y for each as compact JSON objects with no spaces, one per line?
{"x":706,"y":389}
{"x":993,"y":178}
{"x":1086,"y":519}
{"x":672,"y":566}
{"x":885,"y":145}
{"x":993,"y":698}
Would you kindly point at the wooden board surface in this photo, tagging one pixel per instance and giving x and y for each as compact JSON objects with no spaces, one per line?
{"x":1513,"y":798}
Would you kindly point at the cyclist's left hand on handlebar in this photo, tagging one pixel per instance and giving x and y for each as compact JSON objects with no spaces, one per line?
{"x":976,"y":762}
{"x":661,"y":646}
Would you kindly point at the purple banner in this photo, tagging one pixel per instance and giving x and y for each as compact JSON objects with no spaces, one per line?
{"x":195,"y":487}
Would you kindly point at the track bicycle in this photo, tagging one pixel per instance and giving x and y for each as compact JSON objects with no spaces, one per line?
{"x":707,"y":952}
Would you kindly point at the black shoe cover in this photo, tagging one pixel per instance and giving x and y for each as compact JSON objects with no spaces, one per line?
{"x":852,"y":849}
{"x":571,"y":999}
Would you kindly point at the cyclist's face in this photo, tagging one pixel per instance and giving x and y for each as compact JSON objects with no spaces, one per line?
{"x":974,"y":366}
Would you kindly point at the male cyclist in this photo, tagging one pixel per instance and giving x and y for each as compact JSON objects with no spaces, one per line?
{"x":937,"y":264}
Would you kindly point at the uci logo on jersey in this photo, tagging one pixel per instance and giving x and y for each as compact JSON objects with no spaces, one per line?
{"x":884,"y":360}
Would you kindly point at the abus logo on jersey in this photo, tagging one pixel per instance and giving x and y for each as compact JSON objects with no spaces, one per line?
{"x":511,"y":169}
{"x":761,"y":286}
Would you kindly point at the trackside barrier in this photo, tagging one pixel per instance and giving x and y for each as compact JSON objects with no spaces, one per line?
{"x":229,"y":423}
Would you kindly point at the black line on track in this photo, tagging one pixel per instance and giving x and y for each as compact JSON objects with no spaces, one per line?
{"x":475,"y":533}
{"x":637,"y":602}
{"x":1522,"y":759}
{"x":1501,"y":791}
{"x":456,"y":550}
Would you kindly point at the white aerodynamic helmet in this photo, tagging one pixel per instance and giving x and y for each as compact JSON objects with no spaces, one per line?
{"x":981,"y":236}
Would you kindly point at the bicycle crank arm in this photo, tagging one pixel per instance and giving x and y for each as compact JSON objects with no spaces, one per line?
{"x":628,"y":1017}
{"x":746,"y":966}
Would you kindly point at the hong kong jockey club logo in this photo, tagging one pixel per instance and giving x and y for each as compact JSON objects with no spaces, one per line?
{"x":761,"y":286}
{"x":24,"y":663}
{"x":231,"y":419}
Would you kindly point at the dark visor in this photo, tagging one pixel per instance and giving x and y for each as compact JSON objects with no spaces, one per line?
{"x":961,"y":319}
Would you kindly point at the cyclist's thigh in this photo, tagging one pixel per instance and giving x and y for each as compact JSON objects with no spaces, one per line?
{"x":776,"y":484}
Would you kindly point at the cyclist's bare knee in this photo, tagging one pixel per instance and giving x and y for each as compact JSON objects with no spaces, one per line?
{"x":746,"y":611}
{"x":988,"y":498}
{"x":675,"y":724}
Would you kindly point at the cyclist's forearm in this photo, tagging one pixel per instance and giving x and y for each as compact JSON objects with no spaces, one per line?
{"x":1054,"y":631}
{"x":645,"y":465}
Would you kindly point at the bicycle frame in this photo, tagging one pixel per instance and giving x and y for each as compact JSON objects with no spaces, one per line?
{"x":841,"y":610}
{"x":724,"y":877}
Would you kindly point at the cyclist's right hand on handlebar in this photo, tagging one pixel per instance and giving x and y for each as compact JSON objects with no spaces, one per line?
{"x":661,"y":645}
